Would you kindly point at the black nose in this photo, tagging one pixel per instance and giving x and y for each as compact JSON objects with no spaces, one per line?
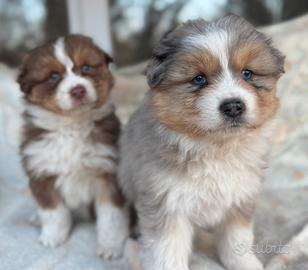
{"x":232,"y":107}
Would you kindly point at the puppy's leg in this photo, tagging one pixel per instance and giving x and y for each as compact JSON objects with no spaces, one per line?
{"x":55,"y":217}
{"x":112,"y":220}
{"x":167,"y":245}
{"x":235,"y":241}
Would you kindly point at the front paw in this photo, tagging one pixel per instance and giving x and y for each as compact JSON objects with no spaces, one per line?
{"x":112,"y":231}
{"x":111,"y":251}
{"x":50,"y":238}
{"x":245,"y":262}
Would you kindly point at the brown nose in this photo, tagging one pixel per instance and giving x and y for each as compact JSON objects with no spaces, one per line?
{"x":78,"y":92}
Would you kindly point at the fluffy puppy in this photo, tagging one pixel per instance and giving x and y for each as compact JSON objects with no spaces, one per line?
{"x":194,"y":153}
{"x":69,"y":149}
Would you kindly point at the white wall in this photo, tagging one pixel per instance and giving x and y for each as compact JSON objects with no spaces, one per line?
{"x":91,"y":18}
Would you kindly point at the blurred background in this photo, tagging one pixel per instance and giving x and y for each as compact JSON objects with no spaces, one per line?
{"x":128,"y":30}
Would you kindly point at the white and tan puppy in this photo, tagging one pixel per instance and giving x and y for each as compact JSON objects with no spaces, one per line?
{"x":194,"y":153}
{"x":70,"y":141}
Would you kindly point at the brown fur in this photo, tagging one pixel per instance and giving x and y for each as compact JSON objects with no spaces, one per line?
{"x":33,"y":80}
{"x":41,"y":62}
{"x":44,"y":191}
{"x":30,"y":133}
{"x":42,"y":187}
{"x":34,"y":73}
{"x":82,"y":51}
{"x":107,"y":130}
{"x":110,"y":191}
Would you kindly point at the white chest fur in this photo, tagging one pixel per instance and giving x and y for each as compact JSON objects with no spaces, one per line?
{"x":218,"y":178}
{"x":78,"y":162}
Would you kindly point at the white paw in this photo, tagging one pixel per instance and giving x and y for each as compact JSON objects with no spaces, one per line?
{"x":112,"y":231}
{"x":110,"y":252}
{"x":35,"y":219}
{"x":245,"y":262}
{"x":52,"y":239}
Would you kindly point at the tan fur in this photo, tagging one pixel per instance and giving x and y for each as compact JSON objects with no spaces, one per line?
{"x":254,"y":56}
{"x":173,"y":104}
{"x":194,"y":153}
{"x":176,"y":113}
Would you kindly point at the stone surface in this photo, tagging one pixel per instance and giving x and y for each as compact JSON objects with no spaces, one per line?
{"x":283,"y":206}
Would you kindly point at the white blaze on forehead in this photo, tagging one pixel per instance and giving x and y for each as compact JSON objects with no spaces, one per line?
{"x":216,"y":42}
{"x":70,"y":79}
{"x":61,"y":55}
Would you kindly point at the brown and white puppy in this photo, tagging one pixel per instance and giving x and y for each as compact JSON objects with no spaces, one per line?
{"x":69,"y":149}
{"x":194,"y":153}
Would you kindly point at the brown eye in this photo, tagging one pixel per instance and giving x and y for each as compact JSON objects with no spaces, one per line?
{"x":86,"y":69}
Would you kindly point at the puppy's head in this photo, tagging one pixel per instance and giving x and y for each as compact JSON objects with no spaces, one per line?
{"x":66,"y":75}
{"x":217,"y":77}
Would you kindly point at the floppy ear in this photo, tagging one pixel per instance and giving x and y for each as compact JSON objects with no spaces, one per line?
{"x":22,"y":79}
{"x":155,"y":72}
{"x":108,"y":58}
{"x":279,"y":58}
{"x":160,"y":60}
{"x":169,"y":45}
{"x":24,"y":87}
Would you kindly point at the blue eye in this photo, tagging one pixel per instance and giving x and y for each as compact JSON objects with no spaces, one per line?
{"x":86,"y":69}
{"x":247,"y":74}
{"x":199,"y":80}
{"x":54,"y":77}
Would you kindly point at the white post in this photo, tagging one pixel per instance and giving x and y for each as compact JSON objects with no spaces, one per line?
{"x":91,"y":18}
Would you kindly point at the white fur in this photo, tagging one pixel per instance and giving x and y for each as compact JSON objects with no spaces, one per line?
{"x":68,"y":152}
{"x":220,"y":176}
{"x":52,"y":122}
{"x":79,"y":164}
{"x":112,"y":230}
{"x":210,"y":102}
{"x":217,"y":43}
{"x":70,"y":80}
{"x":56,"y":225}
{"x":65,"y":152}
{"x":171,"y":248}
{"x":234,"y":247}
{"x":210,"y":180}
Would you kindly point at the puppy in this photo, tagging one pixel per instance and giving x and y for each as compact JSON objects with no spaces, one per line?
{"x":69,"y":149}
{"x":194,"y":153}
